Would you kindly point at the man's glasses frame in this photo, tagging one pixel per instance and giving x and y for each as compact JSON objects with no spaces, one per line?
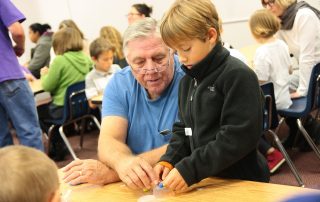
{"x":157,"y":68}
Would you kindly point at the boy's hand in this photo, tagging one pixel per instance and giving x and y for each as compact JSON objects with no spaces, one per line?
{"x":44,"y":71}
{"x":175,"y":181}
{"x":161,"y":172}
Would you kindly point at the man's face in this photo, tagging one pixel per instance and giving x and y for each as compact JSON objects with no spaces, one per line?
{"x":149,"y":60}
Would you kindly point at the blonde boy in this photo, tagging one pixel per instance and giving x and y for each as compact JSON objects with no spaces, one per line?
{"x":27,"y":175}
{"x":102,"y":53}
{"x":220,"y":104}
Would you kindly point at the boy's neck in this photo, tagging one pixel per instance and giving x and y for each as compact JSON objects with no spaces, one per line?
{"x":266,"y":40}
{"x":102,"y":70}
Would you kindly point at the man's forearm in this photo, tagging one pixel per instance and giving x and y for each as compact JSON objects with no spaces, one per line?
{"x":153,"y":156}
{"x":111,"y":152}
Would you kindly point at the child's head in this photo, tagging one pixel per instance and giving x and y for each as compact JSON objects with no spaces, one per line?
{"x":71,"y":24}
{"x":67,"y":39}
{"x":27,"y":174}
{"x":101,"y":52}
{"x":191,"y":27}
{"x":113,"y":35}
{"x":264,"y":25}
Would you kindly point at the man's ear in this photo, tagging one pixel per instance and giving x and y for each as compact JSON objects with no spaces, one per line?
{"x":212,"y":35}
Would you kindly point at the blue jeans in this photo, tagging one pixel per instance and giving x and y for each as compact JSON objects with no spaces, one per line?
{"x":17,"y":104}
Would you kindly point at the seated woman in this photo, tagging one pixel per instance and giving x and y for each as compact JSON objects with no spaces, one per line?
{"x":138,"y":12}
{"x":41,"y":35}
{"x":69,"y":66}
{"x":114,"y":37}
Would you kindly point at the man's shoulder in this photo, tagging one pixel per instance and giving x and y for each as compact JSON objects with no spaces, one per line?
{"x":123,"y":77}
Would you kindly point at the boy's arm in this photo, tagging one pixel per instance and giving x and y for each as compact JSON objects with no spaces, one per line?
{"x":241,"y":116}
{"x":179,"y":145}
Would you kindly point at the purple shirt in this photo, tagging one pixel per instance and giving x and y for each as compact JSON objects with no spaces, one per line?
{"x":9,"y":65}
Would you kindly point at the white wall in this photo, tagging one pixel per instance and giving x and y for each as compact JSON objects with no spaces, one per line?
{"x":91,"y":15}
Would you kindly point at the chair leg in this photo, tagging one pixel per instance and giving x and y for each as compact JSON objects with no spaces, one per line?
{"x":280,"y":124}
{"x":288,"y":159}
{"x":63,"y":136}
{"x":49,"y":138}
{"x":82,"y":128}
{"x":308,"y":138}
{"x":96,"y":121}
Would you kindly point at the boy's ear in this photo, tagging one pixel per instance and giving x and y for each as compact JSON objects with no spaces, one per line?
{"x":93,"y":58}
{"x":213,"y":35}
{"x":55,"y":196}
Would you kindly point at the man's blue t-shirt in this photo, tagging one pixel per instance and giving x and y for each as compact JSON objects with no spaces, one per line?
{"x":125,"y":97}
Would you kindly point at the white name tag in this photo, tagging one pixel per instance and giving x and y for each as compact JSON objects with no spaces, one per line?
{"x":188,"y":131}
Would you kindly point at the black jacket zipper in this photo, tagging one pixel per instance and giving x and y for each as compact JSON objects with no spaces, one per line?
{"x":195,"y":85}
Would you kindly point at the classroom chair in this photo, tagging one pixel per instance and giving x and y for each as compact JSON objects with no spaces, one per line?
{"x":301,"y":107}
{"x":270,"y":123}
{"x":76,"y":108}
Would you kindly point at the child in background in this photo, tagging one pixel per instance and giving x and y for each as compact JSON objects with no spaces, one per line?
{"x":27,"y":175}
{"x":271,"y":64}
{"x":220,"y":104}
{"x":70,"y":66}
{"x":101,"y":52}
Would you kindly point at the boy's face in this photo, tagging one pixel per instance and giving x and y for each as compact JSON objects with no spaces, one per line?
{"x":191,"y":52}
{"x":104,"y":61}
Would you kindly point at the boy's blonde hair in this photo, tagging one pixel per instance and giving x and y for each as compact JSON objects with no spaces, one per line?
{"x":284,"y":4}
{"x":27,"y":175}
{"x":100,"y":45}
{"x":263,"y":24}
{"x":114,"y":37}
{"x":189,"y":19}
{"x":67,"y":39}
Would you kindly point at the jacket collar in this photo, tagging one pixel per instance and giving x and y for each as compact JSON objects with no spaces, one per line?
{"x":209,"y":64}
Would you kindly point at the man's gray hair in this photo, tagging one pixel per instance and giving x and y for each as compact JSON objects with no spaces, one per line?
{"x":140,"y":29}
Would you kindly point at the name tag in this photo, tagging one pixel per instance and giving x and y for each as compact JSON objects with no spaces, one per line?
{"x":188,"y":131}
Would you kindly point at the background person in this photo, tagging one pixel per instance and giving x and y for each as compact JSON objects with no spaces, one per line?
{"x":16,"y":99}
{"x":114,"y":37}
{"x":41,"y":35}
{"x":27,"y":175}
{"x":101,"y":52}
{"x":296,"y":18}
{"x":138,"y":12}
{"x":271,"y":64}
{"x":69,"y":66}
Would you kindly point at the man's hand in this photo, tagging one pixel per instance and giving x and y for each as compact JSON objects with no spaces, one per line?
{"x":88,"y":171}
{"x":136,"y":173}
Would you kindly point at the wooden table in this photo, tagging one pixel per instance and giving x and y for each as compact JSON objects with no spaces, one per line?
{"x":211,"y":189}
{"x":36,"y":86}
{"x":97,"y":99}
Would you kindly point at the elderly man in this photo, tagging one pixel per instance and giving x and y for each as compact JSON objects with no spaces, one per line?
{"x":138,"y":103}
